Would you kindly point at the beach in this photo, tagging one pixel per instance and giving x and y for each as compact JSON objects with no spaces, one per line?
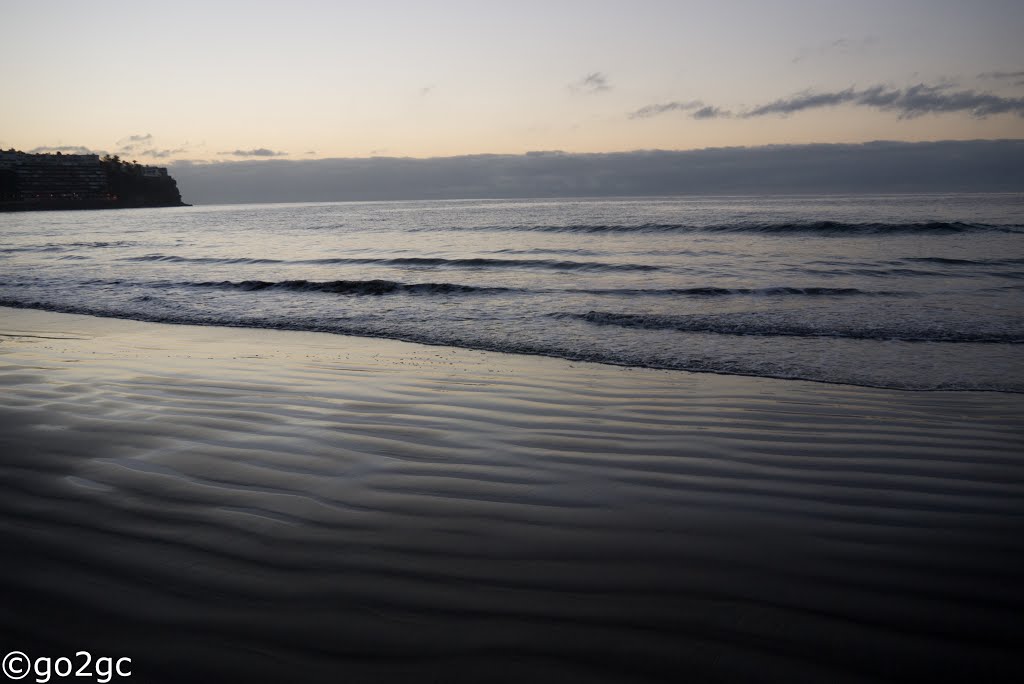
{"x":512,"y":343}
{"x":262,"y":505}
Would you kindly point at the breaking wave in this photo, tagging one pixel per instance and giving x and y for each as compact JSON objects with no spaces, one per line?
{"x":411,"y":261}
{"x":348,"y":287}
{"x":757,"y":291}
{"x":822,"y":228}
{"x":742,"y":324}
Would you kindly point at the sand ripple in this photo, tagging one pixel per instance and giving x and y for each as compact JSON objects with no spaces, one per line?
{"x":265,"y":506}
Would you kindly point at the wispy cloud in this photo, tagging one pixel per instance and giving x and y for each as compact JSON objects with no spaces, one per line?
{"x":1016,"y":76}
{"x":804,"y":100}
{"x":70,"y":149}
{"x":1002,"y":74}
{"x":146,"y":138}
{"x":162,"y":154}
{"x":656,"y":109}
{"x":141,"y":145}
{"x":709,"y":112}
{"x":908,"y":103}
{"x":257,"y":152}
{"x":595,"y":82}
{"x":135,"y":144}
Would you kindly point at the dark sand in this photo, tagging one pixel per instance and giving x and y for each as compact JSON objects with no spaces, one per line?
{"x":244,"y":505}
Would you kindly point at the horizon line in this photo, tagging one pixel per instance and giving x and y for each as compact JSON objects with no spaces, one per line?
{"x":639,"y":150}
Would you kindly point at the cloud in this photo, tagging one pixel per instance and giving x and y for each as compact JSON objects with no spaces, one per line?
{"x":802,"y":101}
{"x":697,"y":109}
{"x":596,"y":82}
{"x":1002,"y":74}
{"x":909,"y":103}
{"x":142,"y":146}
{"x":162,"y":154}
{"x":134,"y":144}
{"x":656,"y":109}
{"x":1016,"y":76}
{"x":69,"y":149}
{"x":951,"y":166}
{"x":258,"y":152}
{"x":709,"y":112}
{"x":425,"y":90}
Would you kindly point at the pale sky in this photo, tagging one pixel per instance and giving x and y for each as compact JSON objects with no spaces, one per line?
{"x":164,"y":81}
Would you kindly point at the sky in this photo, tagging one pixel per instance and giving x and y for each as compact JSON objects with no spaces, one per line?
{"x":307,"y":80}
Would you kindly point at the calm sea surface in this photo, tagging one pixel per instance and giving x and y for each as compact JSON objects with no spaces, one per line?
{"x":922,"y":291}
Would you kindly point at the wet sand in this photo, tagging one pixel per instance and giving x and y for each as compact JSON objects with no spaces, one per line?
{"x":250,"y":505}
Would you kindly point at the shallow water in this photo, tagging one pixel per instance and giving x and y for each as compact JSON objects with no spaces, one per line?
{"x":911,"y":291}
{"x":269,"y":506}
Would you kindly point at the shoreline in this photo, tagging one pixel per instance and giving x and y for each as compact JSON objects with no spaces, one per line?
{"x":516,"y":353}
{"x":265,"y":505}
{"x":81,"y":205}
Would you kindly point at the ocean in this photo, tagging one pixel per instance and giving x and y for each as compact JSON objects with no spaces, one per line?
{"x":904,"y":291}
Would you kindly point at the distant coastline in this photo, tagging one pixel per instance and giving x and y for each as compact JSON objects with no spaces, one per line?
{"x":51,"y":182}
{"x":880,"y":167}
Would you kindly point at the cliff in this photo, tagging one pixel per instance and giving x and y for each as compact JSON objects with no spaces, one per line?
{"x":34,"y":182}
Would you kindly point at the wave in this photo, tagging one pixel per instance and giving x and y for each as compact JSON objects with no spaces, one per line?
{"x":945,"y":261}
{"x":373,"y":328}
{"x":509,"y":263}
{"x":822,"y":228}
{"x":901,"y":272}
{"x":548,"y":250}
{"x":64,"y":246}
{"x":759,"y":326}
{"x":476,"y":262}
{"x":696,"y":363}
{"x":33,"y":248}
{"x":379,"y":287}
{"x":170,"y":258}
{"x":758,"y":291}
{"x":349,"y":287}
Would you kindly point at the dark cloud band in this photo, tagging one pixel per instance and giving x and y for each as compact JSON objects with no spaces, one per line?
{"x":992,"y":165}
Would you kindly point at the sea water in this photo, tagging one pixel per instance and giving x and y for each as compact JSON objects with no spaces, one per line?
{"x":901,"y":291}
